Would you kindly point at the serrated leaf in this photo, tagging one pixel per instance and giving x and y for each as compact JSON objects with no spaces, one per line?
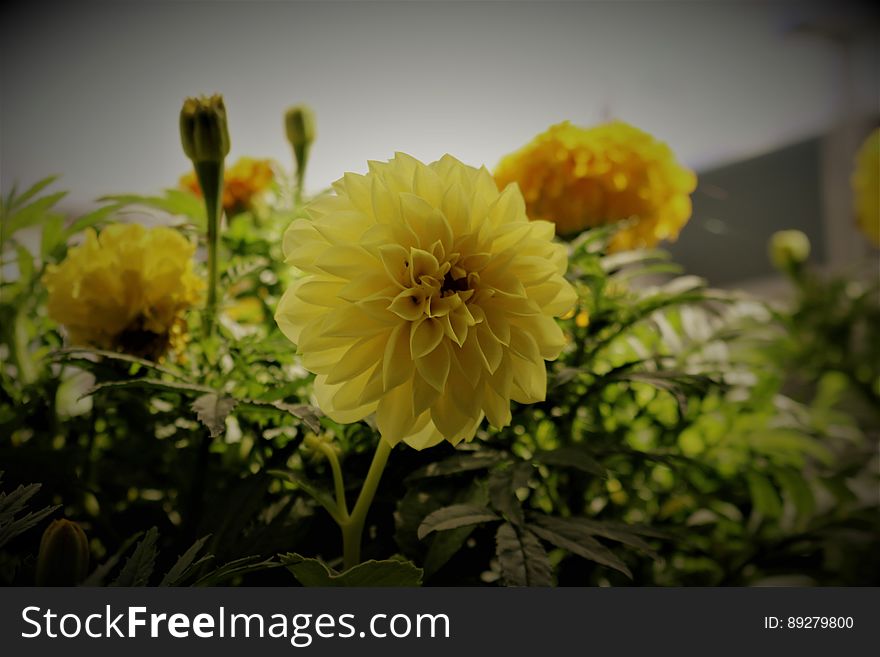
{"x":139,"y":566}
{"x":390,"y":572}
{"x":309,"y":415}
{"x":572,"y":457}
{"x":186,"y":564}
{"x":503,"y":483}
{"x":149,"y":384}
{"x":100,"y":573}
{"x":523,"y":560}
{"x":456,"y":515}
{"x":629,"y":535}
{"x":577,"y":540}
{"x":212,"y":410}
{"x":12,"y":504}
{"x":234,"y":568}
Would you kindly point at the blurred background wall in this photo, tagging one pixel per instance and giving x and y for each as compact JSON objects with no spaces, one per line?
{"x":768,"y":101}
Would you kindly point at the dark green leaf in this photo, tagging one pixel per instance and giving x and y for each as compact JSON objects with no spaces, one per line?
{"x":524,"y":562}
{"x":391,"y":572}
{"x":572,"y":457}
{"x":576,"y":539}
{"x":457,"y":464}
{"x":234,"y":568}
{"x":139,"y":567}
{"x":457,"y":515}
{"x":186,"y":564}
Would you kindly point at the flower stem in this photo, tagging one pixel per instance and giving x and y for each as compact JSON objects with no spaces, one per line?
{"x":353,"y":527}
{"x":210,"y":175}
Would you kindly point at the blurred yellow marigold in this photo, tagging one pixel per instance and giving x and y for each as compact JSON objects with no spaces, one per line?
{"x":866,"y":186}
{"x":125,"y":289}
{"x":428,"y":299}
{"x":243,"y":182}
{"x":582,"y":178}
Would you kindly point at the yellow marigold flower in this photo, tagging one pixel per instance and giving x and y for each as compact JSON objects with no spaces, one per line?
{"x":125,"y":289}
{"x":581,"y":178}
{"x":428,"y":299}
{"x":243,"y":183}
{"x":866,"y":186}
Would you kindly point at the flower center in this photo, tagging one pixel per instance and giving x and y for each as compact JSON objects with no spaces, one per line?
{"x":452,"y":285}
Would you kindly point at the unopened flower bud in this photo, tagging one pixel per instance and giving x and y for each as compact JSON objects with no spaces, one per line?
{"x":299,"y":122}
{"x":789,"y":249}
{"x":203,"y":130}
{"x":64,"y":555}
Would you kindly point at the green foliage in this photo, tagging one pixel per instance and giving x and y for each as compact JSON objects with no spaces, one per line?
{"x":689,"y":436}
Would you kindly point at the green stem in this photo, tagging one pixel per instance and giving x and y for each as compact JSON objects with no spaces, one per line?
{"x":353,"y":528}
{"x":18,"y":347}
{"x":210,"y":176}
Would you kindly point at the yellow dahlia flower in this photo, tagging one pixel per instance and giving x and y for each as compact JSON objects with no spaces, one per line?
{"x":581,"y":178}
{"x":243,"y":182}
{"x":125,"y":289}
{"x":866,"y":185}
{"x":428,"y":299}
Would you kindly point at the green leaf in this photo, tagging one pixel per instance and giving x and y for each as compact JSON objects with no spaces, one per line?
{"x":234,"y":568}
{"x":457,"y":515}
{"x":148,"y":384}
{"x":457,"y":464}
{"x":175,"y":202}
{"x":16,"y":201}
{"x":212,"y":409}
{"x":572,"y":457}
{"x":25,"y":264}
{"x":30,"y":214}
{"x":89,"y":356}
{"x":390,"y":572}
{"x":140,"y":564}
{"x":523,"y":560}
{"x":308,"y":414}
{"x":186,"y":564}
{"x":12,"y":504}
{"x":797,"y":490}
{"x":91,"y":219}
{"x":576,"y":539}
{"x":100,"y":573}
{"x":764,"y":496}
{"x":53,"y":236}
{"x":503,"y":484}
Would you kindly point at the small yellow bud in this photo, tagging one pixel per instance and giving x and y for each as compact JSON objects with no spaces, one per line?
{"x":64,"y":555}
{"x":789,"y":249}
{"x":203,"y":130}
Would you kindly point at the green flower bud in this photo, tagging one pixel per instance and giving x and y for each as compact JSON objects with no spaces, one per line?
{"x":203,"y":130}
{"x":64,"y":555}
{"x":789,"y":249}
{"x":299,"y":122}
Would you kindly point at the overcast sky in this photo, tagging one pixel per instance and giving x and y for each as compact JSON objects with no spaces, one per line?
{"x":93,"y":90}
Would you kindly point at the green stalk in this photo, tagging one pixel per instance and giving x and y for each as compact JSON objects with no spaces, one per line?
{"x":210,"y":175}
{"x":353,"y":528}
